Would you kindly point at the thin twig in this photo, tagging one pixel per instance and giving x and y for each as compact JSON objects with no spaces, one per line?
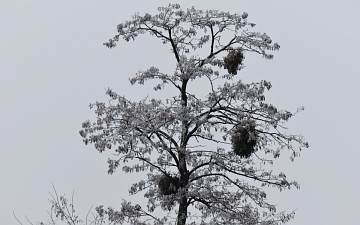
{"x":17,"y":218}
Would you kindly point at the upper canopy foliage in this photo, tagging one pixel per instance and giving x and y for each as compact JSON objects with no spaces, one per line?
{"x":189,"y":137}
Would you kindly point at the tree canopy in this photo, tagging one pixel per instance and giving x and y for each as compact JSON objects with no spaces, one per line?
{"x":206,"y":158}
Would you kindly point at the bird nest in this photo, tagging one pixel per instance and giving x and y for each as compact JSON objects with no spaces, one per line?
{"x":168,"y":185}
{"x":244,"y":141}
{"x":233,"y":60}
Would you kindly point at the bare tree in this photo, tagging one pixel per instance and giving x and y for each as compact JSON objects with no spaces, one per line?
{"x":207,"y":154}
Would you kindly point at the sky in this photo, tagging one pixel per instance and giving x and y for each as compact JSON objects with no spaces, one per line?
{"x":53,"y":64}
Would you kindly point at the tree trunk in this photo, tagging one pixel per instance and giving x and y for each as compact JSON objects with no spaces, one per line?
{"x":182,"y":214}
{"x":184,"y":176}
{"x":184,"y":179}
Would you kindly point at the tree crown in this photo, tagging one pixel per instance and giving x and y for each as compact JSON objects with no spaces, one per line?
{"x":202,"y":152}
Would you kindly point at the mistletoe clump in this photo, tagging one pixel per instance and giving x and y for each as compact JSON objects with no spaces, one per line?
{"x":242,"y":142}
{"x":168,"y":185}
{"x":233,"y":60}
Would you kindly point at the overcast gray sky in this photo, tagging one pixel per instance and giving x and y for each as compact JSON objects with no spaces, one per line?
{"x":53,"y":64}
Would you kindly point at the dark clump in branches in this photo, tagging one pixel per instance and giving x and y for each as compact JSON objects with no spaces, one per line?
{"x":168,"y":185}
{"x":242,"y":142}
{"x":233,"y":60}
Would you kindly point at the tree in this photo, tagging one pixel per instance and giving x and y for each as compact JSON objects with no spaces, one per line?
{"x":206,"y":154}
